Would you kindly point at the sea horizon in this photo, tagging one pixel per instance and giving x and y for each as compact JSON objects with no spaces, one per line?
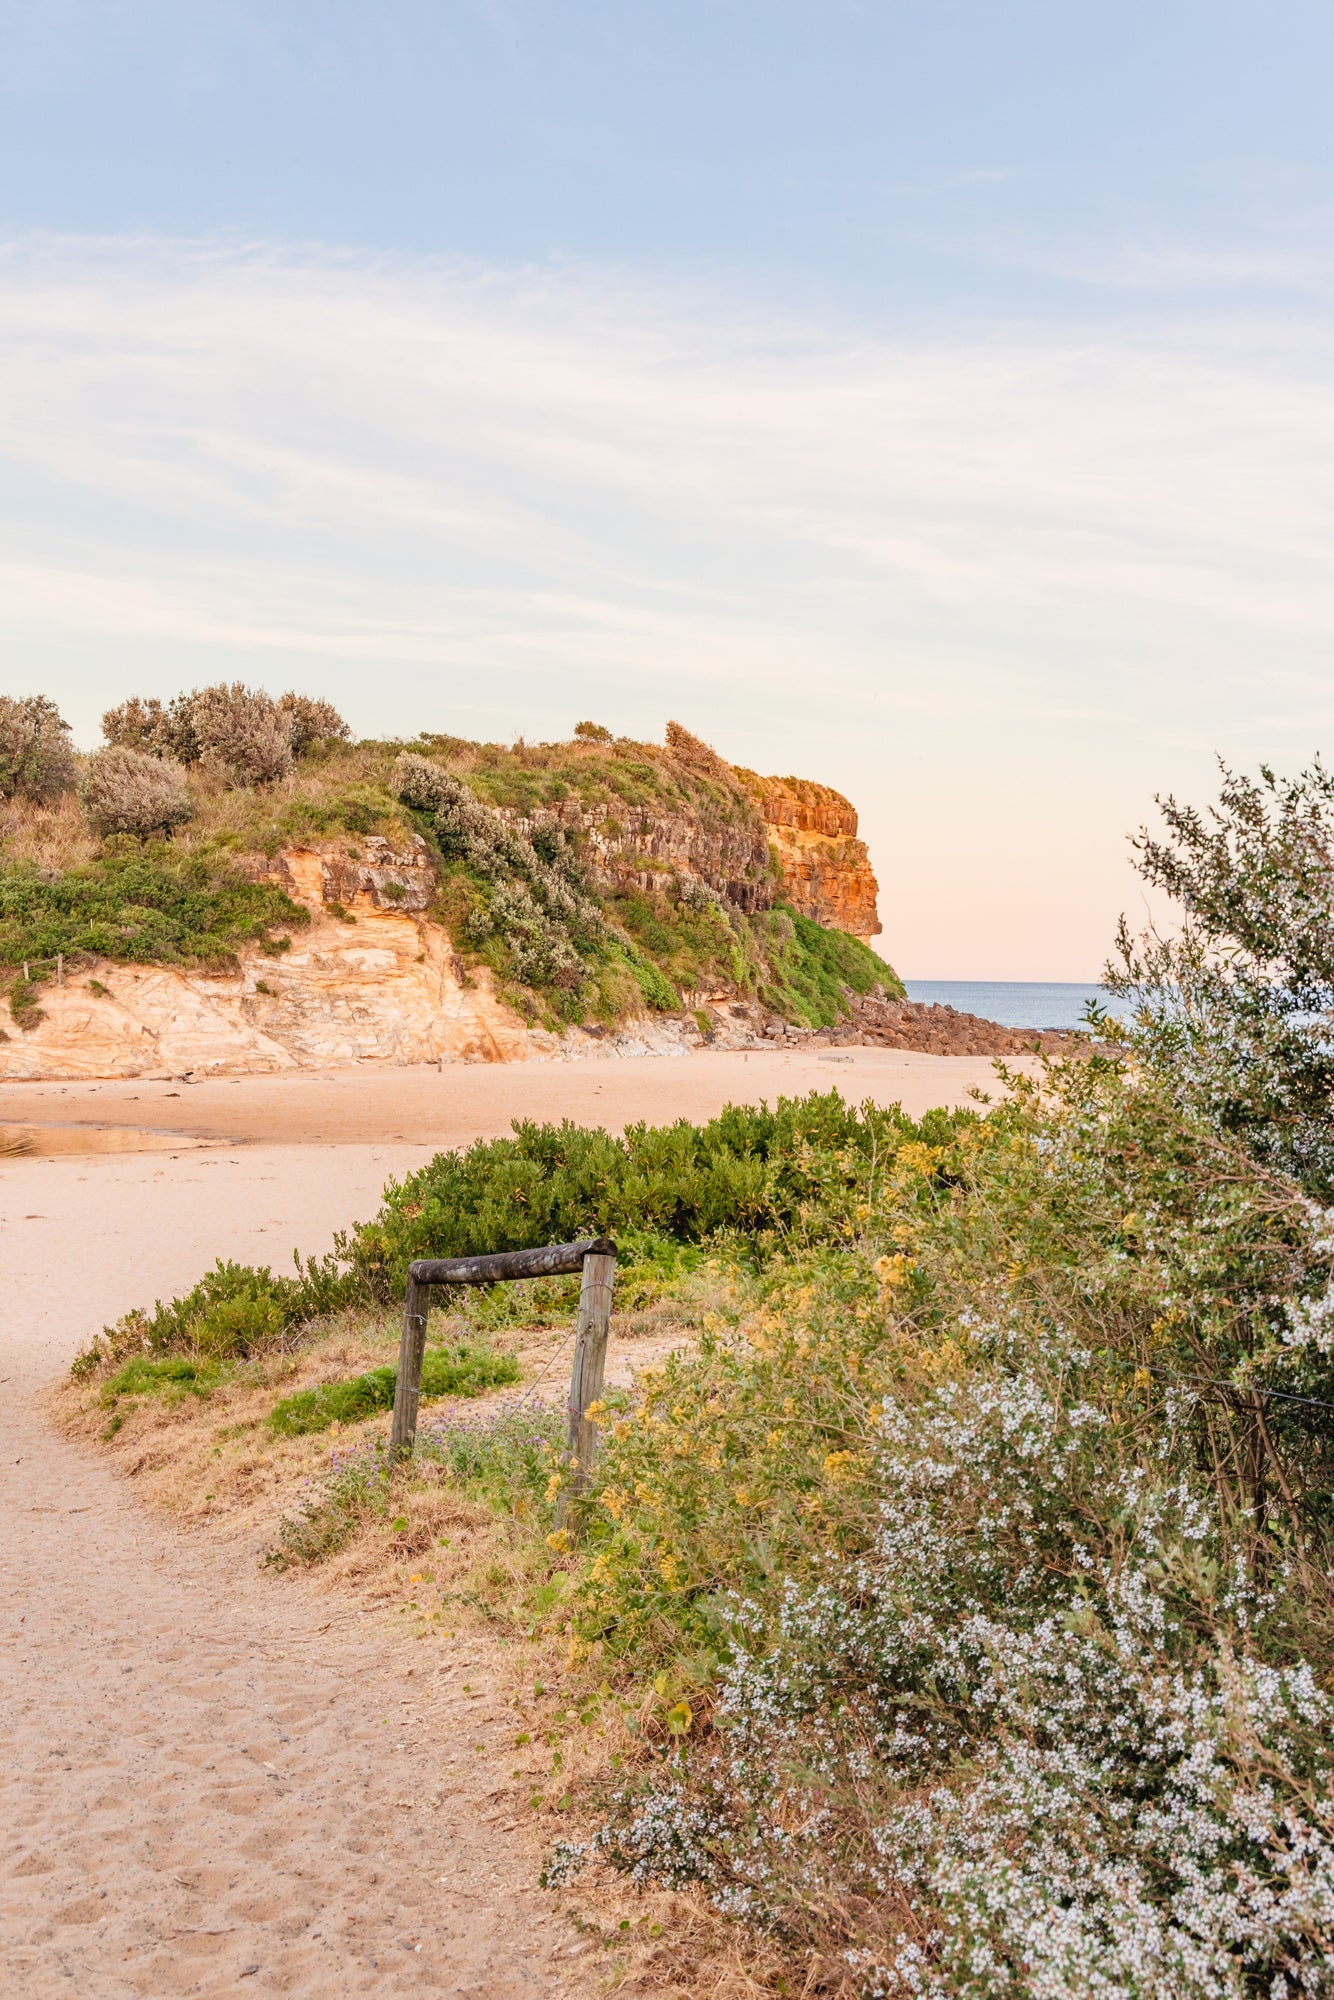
{"x":1016,"y":1003}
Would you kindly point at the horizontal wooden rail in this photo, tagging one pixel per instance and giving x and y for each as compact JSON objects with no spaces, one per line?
{"x":556,"y":1260}
{"x":594,"y":1258}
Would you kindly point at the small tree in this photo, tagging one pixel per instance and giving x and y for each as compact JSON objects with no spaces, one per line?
{"x":312,"y":721}
{"x":1234,"y":1011}
{"x":592,"y":732}
{"x":36,"y":761}
{"x":129,"y":791}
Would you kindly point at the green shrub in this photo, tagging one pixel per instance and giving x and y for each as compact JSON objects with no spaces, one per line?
{"x":147,"y":906}
{"x":456,"y":1371}
{"x":807,"y":1171}
{"x":810,"y":1165}
{"x":812,"y":972}
{"x":236,"y":1310}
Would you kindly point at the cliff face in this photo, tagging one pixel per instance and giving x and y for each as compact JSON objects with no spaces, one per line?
{"x":372,"y":978}
{"x":647,"y":847}
{"x":824,"y":870}
{"x":375,"y":974}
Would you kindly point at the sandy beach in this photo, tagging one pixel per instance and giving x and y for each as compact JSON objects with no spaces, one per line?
{"x":424,"y":1105}
{"x":214,"y":1777}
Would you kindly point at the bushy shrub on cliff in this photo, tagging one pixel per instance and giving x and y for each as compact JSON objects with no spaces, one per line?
{"x":243,"y":730}
{"x":252,"y":737}
{"x":312,"y":722}
{"x":36,"y":762}
{"x":532,"y":903}
{"x":127,"y":791}
{"x":153,"y":727}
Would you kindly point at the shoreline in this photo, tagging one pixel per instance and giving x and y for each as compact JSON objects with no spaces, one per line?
{"x":421,"y":1104}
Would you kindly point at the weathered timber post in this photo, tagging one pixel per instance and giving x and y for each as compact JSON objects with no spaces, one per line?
{"x":590,"y":1365}
{"x":554,"y":1260}
{"x":408,"y":1386}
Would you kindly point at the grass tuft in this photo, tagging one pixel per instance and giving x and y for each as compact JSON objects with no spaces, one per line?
{"x":457,"y":1371}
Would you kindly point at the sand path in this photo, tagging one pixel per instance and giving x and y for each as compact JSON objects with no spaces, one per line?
{"x":214,"y":1783}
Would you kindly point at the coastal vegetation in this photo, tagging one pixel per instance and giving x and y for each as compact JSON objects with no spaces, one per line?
{"x":953,"y":1593}
{"x":595,"y":879}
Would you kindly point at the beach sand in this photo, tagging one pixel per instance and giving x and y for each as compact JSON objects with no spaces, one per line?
{"x":423,"y":1105}
{"x":214,"y":1776}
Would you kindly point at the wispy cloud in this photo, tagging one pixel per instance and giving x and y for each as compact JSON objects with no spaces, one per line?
{"x":539,"y":490}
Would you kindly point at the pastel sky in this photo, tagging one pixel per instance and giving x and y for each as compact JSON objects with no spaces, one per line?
{"x":934,"y":397}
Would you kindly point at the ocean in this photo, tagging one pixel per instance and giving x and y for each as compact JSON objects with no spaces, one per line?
{"x":1015,"y":1003}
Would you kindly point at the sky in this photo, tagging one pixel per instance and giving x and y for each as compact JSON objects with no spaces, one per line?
{"x":931,"y":397}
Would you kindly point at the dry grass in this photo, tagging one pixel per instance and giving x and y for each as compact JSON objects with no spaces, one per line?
{"x":55,"y":836}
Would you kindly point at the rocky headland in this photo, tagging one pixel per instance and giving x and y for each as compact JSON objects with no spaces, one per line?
{"x":449,"y":902}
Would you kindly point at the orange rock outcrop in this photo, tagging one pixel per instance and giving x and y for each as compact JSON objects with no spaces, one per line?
{"x":824,"y":868}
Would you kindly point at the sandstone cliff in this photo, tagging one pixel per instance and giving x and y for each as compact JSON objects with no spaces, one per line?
{"x":373,"y":978}
{"x":824,"y":869}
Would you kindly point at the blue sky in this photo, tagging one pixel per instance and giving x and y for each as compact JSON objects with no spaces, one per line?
{"x":937,"y":399}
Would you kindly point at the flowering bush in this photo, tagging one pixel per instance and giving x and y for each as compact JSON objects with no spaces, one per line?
{"x":989,"y":1570}
{"x":1020,"y":1746}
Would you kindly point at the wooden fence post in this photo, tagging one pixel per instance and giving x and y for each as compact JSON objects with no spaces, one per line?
{"x":408,"y":1387}
{"x":590,"y":1366}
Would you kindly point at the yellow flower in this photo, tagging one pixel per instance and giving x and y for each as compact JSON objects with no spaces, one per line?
{"x":839,"y":1466}
{"x":615,"y":1500}
{"x":561,"y":1541}
{"x":669,"y":1567}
